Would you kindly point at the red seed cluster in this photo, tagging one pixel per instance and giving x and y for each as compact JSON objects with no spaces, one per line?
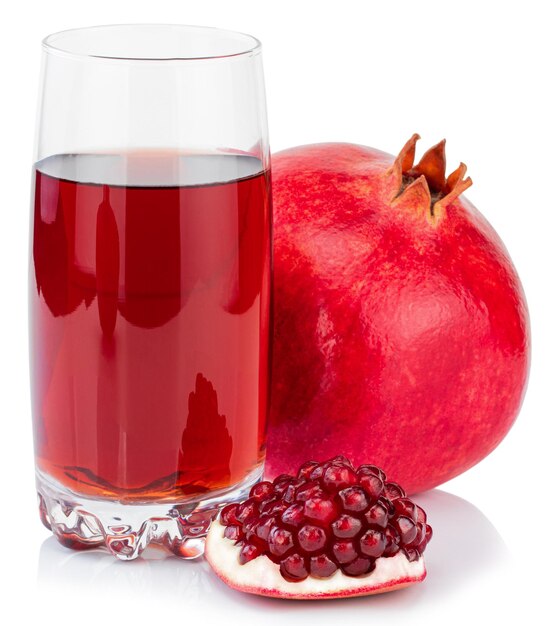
{"x":330,"y":516}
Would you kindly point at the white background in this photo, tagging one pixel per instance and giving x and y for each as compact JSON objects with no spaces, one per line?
{"x":481,"y":74}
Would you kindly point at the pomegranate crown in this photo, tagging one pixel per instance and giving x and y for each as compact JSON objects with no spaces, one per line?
{"x":424,"y":185}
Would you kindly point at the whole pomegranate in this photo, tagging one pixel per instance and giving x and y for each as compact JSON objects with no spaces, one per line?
{"x":401,"y":329}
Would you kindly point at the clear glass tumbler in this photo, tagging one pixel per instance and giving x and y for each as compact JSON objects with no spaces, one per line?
{"x":149,"y":283}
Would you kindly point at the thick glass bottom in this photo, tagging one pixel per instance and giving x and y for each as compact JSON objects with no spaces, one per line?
{"x":125,"y":530}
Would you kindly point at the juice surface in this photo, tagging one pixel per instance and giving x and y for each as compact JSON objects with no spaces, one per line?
{"x":149,"y":302}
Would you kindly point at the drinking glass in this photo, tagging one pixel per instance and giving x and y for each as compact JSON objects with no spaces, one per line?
{"x":149,"y":283}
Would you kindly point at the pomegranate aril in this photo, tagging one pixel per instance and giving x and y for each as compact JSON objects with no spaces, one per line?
{"x":373,"y":543}
{"x":372,"y":484}
{"x":405,"y":506}
{"x":406,"y":528}
{"x":250,"y":526}
{"x":289,"y":494}
{"x":261,"y":491}
{"x":293,"y":516}
{"x":321,"y":566}
{"x":420,"y":536}
{"x":318,"y":471}
{"x":281,"y":489}
{"x":282,"y":478}
{"x":269,"y":502}
{"x":280,"y":541}
{"x":393,"y":491}
{"x":274,"y":507}
{"x":247,"y":509}
{"x":309,"y":490}
{"x":233,"y":532}
{"x":338,"y":477}
{"x":392,"y":541}
{"x":249,"y":552}
{"x":391,"y":550}
{"x":422,"y":517}
{"x":367,"y":470}
{"x":321,"y":510}
{"x":390,"y":506}
{"x":281,"y":484}
{"x":264,"y":525}
{"x":377,"y":515}
{"x":294,"y":568}
{"x":340,"y":459}
{"x":228,"y":514}
{"x":306,"y":469}
{"x":359,"y":566}
{"x":311,"y":538}
{"x":411,"y":554}
{"x":344,"y":551}
{"x":421,"y":546}
{"x":346,"y":526}
{"x":354,"y":499}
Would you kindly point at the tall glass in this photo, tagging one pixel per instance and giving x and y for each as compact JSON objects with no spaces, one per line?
{"x":149,"y":283}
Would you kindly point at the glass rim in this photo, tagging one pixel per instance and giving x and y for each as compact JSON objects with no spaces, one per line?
{"x":252,"y":44}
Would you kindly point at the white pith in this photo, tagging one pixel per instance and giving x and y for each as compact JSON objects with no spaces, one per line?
{"x":263,"y":576}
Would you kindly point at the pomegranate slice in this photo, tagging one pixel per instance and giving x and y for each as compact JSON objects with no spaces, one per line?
{"x":346,"y":539}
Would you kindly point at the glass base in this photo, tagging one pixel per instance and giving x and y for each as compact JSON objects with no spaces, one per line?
{"x":125,"y":530}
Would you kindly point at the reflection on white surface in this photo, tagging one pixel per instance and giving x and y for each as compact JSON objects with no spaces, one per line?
{"x":465,"y":547}
{"x":98,"y":570}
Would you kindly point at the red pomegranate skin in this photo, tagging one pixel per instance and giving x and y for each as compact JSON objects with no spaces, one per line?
{"x":400,"y":340}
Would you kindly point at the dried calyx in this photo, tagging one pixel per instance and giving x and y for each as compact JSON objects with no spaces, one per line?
{"x":424,"y":185}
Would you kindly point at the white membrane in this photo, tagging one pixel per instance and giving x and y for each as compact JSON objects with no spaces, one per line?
{"x":262,"y":574}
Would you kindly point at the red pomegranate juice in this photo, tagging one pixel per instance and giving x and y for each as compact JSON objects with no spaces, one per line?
{"x":150,"y":278}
